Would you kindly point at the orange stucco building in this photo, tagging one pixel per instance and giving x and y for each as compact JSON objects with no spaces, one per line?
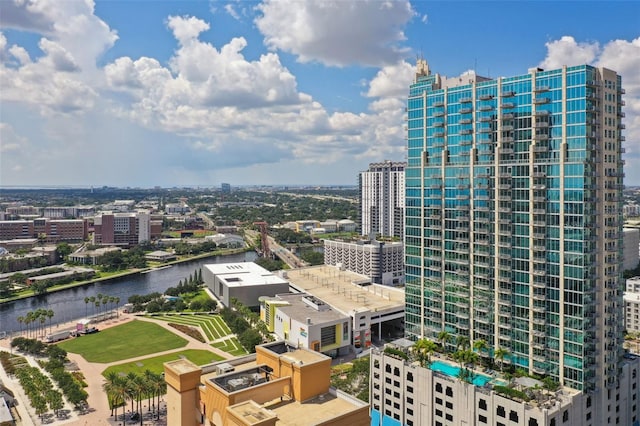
{"x":278,"y":385}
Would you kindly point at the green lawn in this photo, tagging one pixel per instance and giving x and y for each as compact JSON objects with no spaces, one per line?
{"x":213,"y":326}
{"x":231,"y":346}
{"x":155,"y":364}
{"x":132,"y":339}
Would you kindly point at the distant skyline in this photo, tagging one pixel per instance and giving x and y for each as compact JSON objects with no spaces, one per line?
{"x":196,"y":93}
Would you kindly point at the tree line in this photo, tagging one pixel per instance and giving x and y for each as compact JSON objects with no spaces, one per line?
{"x":134,"y":388}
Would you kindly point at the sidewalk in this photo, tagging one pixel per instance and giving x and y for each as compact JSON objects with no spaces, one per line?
{"x":99,"y":412}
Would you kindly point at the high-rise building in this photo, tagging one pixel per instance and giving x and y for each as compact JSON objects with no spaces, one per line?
{"x":123,"y":229}
{"x":513,"y":229}
{"x":382,"y":199}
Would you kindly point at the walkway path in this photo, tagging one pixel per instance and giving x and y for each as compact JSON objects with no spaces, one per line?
{"x":99,"y":412}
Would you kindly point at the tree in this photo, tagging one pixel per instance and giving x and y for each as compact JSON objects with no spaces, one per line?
{"x":86,"y":304}
{"x":444,"y":337}
{"x":63,"y":250}
{"x":39,"y":287}
{"x":6,"y":289}
{"x":501,"y":354}
{"x":110,"y":389}
{"x":462,"y":342}
{"x":423,"y":349}
{"x":481,"y":346}
{"x":21,"y":321}
{"x":50,"y":315}
{"x":249,"y":339}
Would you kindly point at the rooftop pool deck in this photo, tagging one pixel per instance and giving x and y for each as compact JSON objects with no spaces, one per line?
{"x":453,"y":371}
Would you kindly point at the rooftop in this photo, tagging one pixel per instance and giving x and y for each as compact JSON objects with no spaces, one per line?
{"x":340,"y":289}
{"x":245,"y":273}
{"x":300,"y":311}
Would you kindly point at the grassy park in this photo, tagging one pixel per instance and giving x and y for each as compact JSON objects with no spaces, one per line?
{"x":129,"y":340}
{"x":213,"y":326}
{"x":231,"y":346}
{"x":155,"y":364}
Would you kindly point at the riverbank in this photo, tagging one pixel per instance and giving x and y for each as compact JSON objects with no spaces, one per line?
{"x":128,"y":272}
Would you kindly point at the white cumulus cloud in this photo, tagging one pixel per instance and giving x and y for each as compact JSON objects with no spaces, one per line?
{"x":336,"y":33}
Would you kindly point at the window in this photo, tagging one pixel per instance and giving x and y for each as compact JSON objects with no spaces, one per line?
{"x":482,"y":419}
{"x":396,"y":394}
{"x":409,"y":377}
{"x":409,"y":400}
{"x":533,"y":422}
{"x":449,"y":417}
{"x":589,"y":416}
{"x":387,"y":368}
{"x":500,"y":411}
{"x":410,"y":389}
{"x":396,"y":405}
{"x":439,"y":387}
{"x":513,"y":416}
{"x":565,"y":416}
{"x":396,"y":371}
{"x":409,"y":422}
{"x":449,"y":405}
{"x":553,"y":422}
{"x":438,"y":413}
{"x":588,"y":401}
{"x":410,"y":411}
{"x":449,"y":391}
{"x":482,"y":404}
{"x":387,"y":391}
{"x":439,"y":401}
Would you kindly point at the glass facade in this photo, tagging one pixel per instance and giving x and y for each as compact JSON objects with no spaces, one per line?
{"x":513,"y":230}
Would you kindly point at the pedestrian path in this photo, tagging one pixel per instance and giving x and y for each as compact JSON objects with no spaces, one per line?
{"x":98,"y":413}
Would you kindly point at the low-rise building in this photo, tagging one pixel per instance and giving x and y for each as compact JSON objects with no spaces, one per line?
{"x":277,"y":386}
{"x":631,"y":248}
{"x":305,"y":321}
{"x":246,"y":282}
{"x":376,"y":312}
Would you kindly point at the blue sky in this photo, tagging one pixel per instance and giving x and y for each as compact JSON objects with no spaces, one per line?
{"x":146,"y":93}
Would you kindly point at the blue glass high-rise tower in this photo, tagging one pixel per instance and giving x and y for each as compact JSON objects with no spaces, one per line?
{"x":514,"y":218}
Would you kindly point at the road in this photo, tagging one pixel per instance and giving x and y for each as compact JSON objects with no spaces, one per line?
{"x":282,"y":253}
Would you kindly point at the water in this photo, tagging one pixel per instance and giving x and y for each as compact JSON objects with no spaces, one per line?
{"x":68,"y":305}
{"x":453,"y":371}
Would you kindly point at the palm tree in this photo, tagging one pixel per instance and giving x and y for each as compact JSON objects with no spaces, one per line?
{"x":27,"y":320}
{"x":462,"y":342}
{"x":500,"y":354}
{"x":105,"y":300}
{"x":92,"y":300}
{"x":480,"y":346}
{"x":116,"y":299}
{"x":131,"y":391}
{"x":444,"y":337}
{"x":50,"y":315}
{"x":121,"y":390}
{"x":86,"y":304}
{"x":42,"y":314}
{"x":110,"y":388}
{"x":21,"y":321}
{"x":423,"y":348}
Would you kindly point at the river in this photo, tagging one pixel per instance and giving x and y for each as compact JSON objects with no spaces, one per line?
{"x":69,"y":305}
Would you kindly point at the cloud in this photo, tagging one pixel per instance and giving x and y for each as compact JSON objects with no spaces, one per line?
{"x":232,"y":12}
{"x":567,"y":51}
{"x":392,"y":80}
{"x":186,"y":29}
{"x":336,"y":33}
{"x":622,"y":56}
{"x":9,"y":139}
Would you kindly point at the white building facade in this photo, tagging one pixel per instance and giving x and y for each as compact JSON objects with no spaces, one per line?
{"x":382,"y":199}
{"x":383,"y":262}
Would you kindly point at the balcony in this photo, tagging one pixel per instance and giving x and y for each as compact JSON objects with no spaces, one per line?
{"x":465,"y":100}
{"x":542,"y":124}
{"x":485,"y":119}
{"x":466,"y":131}
{"x":540,"y":101}
{"x":438,"y":104}
{"x":541,"y":113}
{"x":539,"y":211}
{"x":540,"y":89}
{"x":485,"y":108}
{"x":506,"y":151}
{"x":466,"y":142}
{"x":438,"y":124}
{"x":485,"y":97}
{"x":539,"y":186}
{"x":540,"y":137}
{"x":465,"y":121}
{"x":508,"y":93}
{"x":438,"y":135}
{"x":438,"y":114}
{"x":508,"y":105}
{"x":465,"y":110}
{"x":508,"y":116}
{"x":539,"y":248}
